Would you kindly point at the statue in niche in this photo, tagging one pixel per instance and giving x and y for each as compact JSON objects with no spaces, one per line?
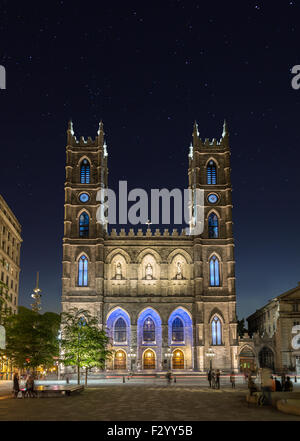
{"x":118,"y":271}
{"x":179,"y":271}
{"x":149,"y":271}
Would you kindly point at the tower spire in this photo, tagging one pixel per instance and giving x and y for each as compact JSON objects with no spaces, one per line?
{"x":195,"y":130}
{"x":225,"y":129}
{"x":36,"y":305}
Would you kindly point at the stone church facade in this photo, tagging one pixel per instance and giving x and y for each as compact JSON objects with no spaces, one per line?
{"x":165,"y":298}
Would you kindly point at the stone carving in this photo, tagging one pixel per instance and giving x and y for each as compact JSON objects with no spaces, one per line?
{"x":149,"y":271}
{"x":118,"y":271}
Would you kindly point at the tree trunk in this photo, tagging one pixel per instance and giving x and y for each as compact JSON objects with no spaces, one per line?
{"x":78,"y":374}
{"x":86,"y":375}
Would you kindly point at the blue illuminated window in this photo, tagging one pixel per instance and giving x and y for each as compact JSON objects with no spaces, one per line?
{"x":84,"y":197}
{"x":216,"y":331}
{"x":120,"y":334}
{"x":149,"y":330}
{"x":213,"y":226}
{"x":83,"y":271}
{"x":211,"y":173}
{"x":85,"y":172}
{"x":214,"y":271}
{"x":84,"y":222}
{"x":177,"y":330}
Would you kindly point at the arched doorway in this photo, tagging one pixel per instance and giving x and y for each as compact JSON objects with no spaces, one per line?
{"x":247,"y":360}
{"x":178,"y":359}
{"x":266,"y":358}
{"x":120,"y":360}
{"x":149,"y":359}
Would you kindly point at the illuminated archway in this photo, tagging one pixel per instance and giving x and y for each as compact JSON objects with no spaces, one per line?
{"x":120,"y":360}
{"x":149,"y":359}
{"x":178,"y":359}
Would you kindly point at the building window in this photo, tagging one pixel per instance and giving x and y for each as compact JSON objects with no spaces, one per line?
{"x":216,"y":331}
{"x":83,"y":271}
{"x":84,"y":225}
{"x":214,"y":271}
{"x":211,"y":173}
{"x":177,"y":330}
{"x":149,"y":330}
{"x":85,"y":172}
{"x":120,"y":334}
{"x":213,"y":227}
{"x":295,"y":307}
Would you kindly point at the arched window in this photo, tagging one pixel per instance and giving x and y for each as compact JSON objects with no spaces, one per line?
{"x":85,"y":172}
{"x":214,"y":271}
{"x":211,"y":173}
{"x":266,"y":358}
{"x":177,"y":330}
{"x":213,"y":226}
{"x":216,"y":331}
{"x":149,"y":330}
{"x":120,"y":334}
{"x":83,"y":271}
{"x":84,"y":225}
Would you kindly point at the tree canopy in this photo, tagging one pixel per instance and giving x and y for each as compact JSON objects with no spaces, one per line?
{"x":31,"y":338}
{"x":83,"y":344}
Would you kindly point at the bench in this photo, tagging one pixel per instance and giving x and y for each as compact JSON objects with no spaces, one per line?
{"x":57,"y":390}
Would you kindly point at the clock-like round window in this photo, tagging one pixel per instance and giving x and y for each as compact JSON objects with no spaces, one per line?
{"x":212,"y":198}
{"x":84,"y":197}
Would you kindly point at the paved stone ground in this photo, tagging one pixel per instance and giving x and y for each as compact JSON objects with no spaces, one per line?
{"x":142,"y":402}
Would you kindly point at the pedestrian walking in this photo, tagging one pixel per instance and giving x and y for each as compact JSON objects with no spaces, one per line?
{"x":282,"y":381}
{"x":232,"y":380}
{"x":218,"y":379}
{"x":288,"y":385}
{"x":16,"y":386}
{"x":251,"y":385}
{"x":209,"y":377}
{"x":169,"y":377}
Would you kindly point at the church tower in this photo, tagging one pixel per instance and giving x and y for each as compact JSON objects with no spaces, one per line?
{"x":83,"y":242}
{"x":214,"y":265}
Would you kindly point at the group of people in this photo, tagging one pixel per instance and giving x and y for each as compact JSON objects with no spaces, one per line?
{"x":28,"y":391}
{"x":269,"y":383}
{"x":213,"y":378}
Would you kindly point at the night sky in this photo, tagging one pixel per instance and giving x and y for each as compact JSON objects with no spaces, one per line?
{"x":148,"y":70}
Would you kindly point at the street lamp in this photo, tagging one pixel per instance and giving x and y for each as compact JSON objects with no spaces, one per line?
{"x":169,"y":356}
{"x":210,"y":354}
{"x":131,"y":356}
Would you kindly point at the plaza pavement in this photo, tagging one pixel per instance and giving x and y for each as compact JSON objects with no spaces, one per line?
{"x":141,"y":400}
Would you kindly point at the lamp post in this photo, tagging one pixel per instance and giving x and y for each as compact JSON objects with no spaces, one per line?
{"x":210,"y":354}
{"x":169,"y":356}
{"x":131,"y":356}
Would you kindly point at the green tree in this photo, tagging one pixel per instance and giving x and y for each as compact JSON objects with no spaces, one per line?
{"x":31,"y":338}
{"x":241,"y":329}
{"x":83,"y":344}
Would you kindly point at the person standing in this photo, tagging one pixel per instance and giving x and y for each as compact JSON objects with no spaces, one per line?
{"x":16,"y":386}
{"x":209,"y":377}
{"x":213,"y":379}
{"x":218,"y":379}
{"x":232,"y":380}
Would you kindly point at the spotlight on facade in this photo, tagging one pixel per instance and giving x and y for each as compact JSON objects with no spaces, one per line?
{"x":210,"y":354}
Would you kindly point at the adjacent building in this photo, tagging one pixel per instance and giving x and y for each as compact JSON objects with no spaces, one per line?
{"x":10,"y":248}
{"x":164,"y":297}
{"x":276,"y":330}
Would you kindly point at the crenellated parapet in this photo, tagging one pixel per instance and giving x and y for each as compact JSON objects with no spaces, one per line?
{"x":147,"y":233}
